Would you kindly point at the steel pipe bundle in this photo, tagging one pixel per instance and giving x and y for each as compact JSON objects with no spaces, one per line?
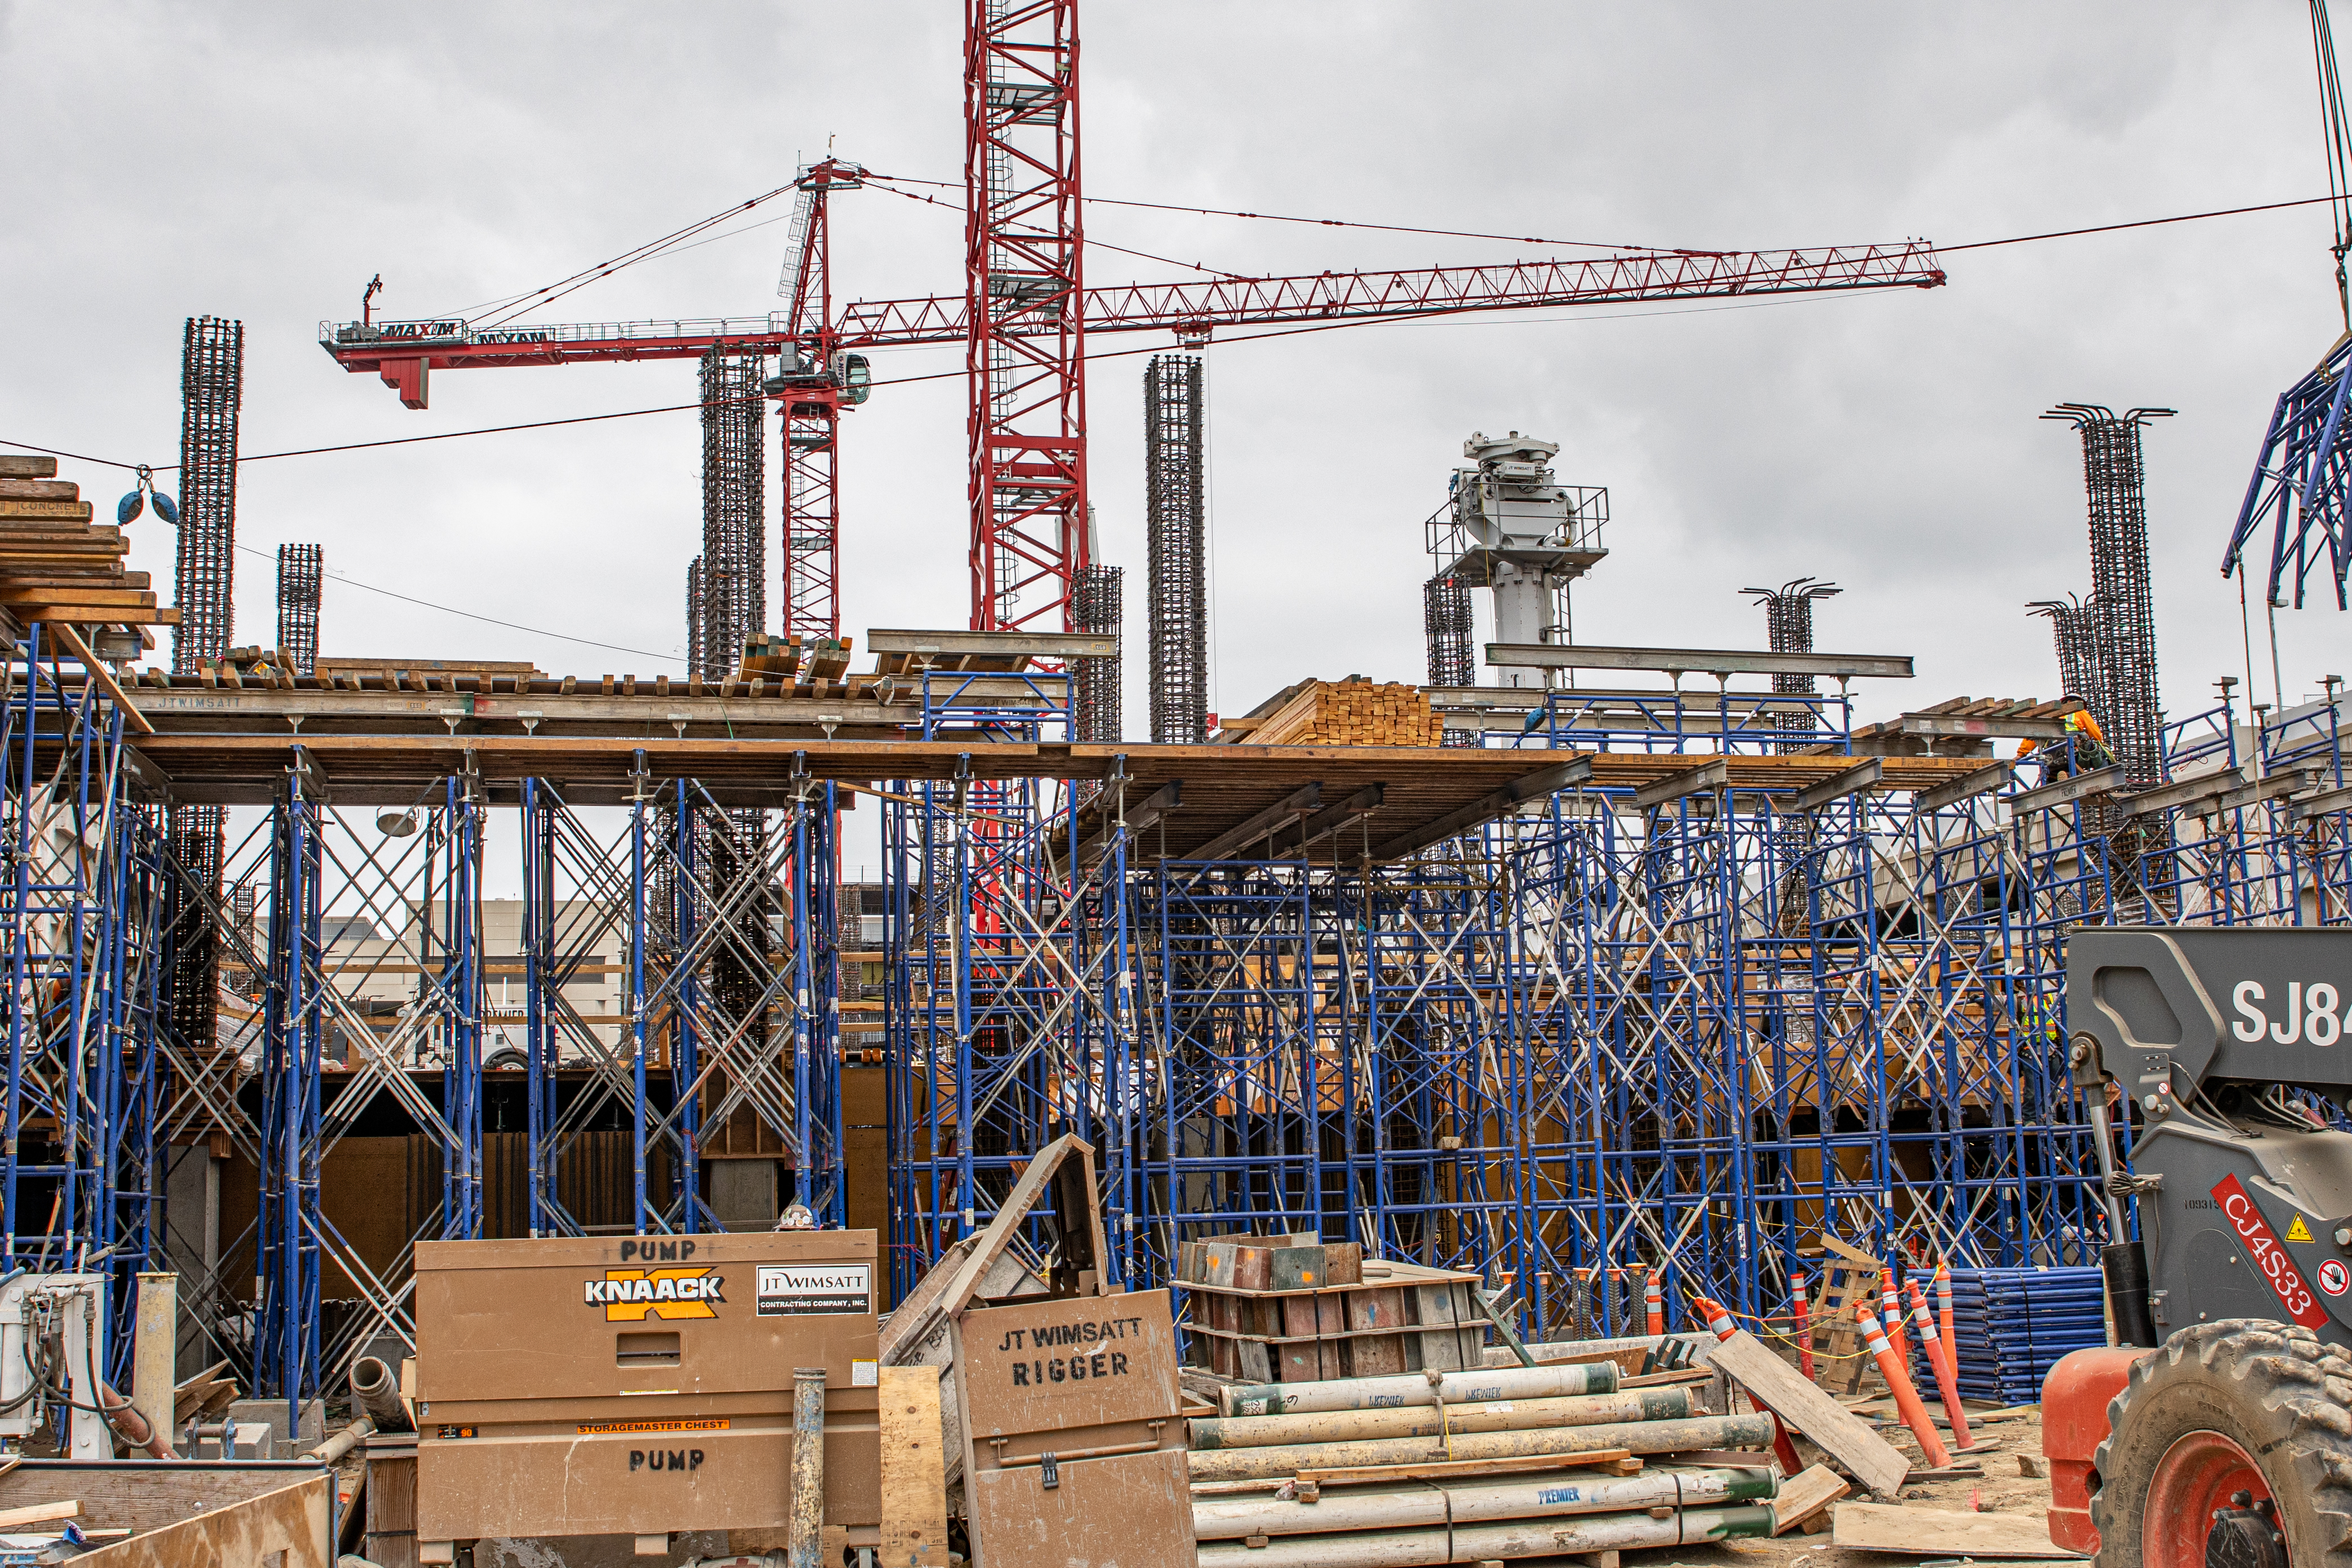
{"x":1421,"y":1504}
{"x":1350,"y":1426}
{"x":1709,"y":1432}
{"x":1560,"y":1382}
{"x":1489,"y":1542}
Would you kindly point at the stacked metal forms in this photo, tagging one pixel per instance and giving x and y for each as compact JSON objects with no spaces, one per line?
{"x":2012,"y":1325}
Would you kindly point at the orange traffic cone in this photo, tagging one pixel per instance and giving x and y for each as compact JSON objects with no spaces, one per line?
{"x":1940,"y":1357}
{"x":1890,"y":1312}
{"x":1906,"y":1398}
{"x":1720,"y":1324}
{"x":1944,"y":1316}
{"x":1804,"y":1317}
{"x":1653,"y":1295}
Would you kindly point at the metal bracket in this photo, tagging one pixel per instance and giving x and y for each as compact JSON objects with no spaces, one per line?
{"x":1049,"y":1473}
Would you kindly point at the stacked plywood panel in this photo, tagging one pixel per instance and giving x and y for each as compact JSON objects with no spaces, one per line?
{"x":1342,"y":713}
{"x":55,"y":563}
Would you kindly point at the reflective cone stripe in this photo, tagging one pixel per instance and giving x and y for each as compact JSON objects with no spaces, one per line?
{"x":1719,"y":1321}
{"x":1906,"y":1398}
{"x":1944,"y":1316}
{"x":1653,"y":1295}
{"x":1939,"y":1357}
{"x":1890,"y":1309}
{"x":1803,"y":1312}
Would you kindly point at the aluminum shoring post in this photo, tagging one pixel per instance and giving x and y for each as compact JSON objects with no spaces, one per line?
{"x":1123,"y":1072}
{"x":804,"y":1172}
{"x":540,"y":1049}
{"x":640,"y":802}
{"x":684,"y":925}
{"x":967,"y":1195}
{"x":461,"y":993}
{"x":22,"y":783}
{"x":287,"y":1332}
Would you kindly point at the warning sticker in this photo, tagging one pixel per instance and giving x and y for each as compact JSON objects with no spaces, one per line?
{"x":2267,"y":1255}
{"x":2333,"y":1279}
{"x":716,"y":1424}
{"x":2298,"y":1231}
{"x":794,"y":1289}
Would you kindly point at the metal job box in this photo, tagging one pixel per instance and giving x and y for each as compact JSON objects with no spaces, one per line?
{"x":1074,"y":1440}
{"x":633,"y":1385}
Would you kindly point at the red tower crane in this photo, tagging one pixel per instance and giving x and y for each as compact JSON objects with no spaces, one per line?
{"x":1024,"y":317}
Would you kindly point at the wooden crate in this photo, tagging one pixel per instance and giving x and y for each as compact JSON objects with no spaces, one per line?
{"x":1398,"y":1318}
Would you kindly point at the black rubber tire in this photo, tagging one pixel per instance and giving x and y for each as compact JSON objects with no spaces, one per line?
{"x":2273,"y":1388}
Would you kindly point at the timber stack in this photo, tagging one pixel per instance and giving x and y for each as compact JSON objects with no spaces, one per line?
{"x":57,"y":565}
{"x":1351,"y":712}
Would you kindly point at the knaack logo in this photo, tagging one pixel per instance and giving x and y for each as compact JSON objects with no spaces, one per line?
{"x":633,"y":1295}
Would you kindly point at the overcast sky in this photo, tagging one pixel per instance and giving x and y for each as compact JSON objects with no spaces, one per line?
{"x":263,"y":160}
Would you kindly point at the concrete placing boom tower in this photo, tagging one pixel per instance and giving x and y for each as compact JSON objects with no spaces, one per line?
{"x":1512,"y":527}
{"x":1788,"y":629}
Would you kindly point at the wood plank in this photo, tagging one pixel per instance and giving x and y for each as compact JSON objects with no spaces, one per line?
{"x":79,"y":510}
{"x":39,"y":489}
{"x":1806,"y":1495}
{"x":27,"y":466}
{"x":914,"y":1468}
{"x":287,"y":1527}
{"x":37,"y":1513}
{"x":1942,"y":1532}
{"x":1773,"y":1383}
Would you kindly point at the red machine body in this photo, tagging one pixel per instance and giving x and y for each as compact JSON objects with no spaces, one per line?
{"x":2074,"y":1400}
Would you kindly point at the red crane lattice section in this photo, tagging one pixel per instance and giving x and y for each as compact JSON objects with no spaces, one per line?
{"x":1024,"y":311}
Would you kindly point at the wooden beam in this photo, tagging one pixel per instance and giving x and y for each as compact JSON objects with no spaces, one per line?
{"x":1708,"y":777}
{"x":1009,"y":645}
{"x":1331,"y":819}
{"x":1960,"y":789}
{"x":1565,"y":776}
{"x":1299,"y":803}
{"x":1862,"y":776}
{"x":2183,"y":792}
{"x":2067,"y":791}
{"x":1697,"y":660}
{"x":103,"y":676}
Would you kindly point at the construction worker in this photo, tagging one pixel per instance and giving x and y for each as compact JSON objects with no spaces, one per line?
{"x":2090,"y":748}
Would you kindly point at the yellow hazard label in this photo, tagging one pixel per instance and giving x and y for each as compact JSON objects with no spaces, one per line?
{"x":2298,"y":1231}
{"x":711,"y":1425}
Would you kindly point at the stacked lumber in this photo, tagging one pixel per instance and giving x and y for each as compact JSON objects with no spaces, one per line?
{"x":1467,"y":1467}
{"x":1352,"y":712}
{"x":56,"y":564}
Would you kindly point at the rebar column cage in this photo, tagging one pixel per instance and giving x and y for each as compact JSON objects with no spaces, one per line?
{"x":301,"y":578}
{"x":1176,"y":540}
{"x":2113,"y":479}
{"x":1095,"y":607}
{"x":734,"y":560}
{"x":212,"y":389}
